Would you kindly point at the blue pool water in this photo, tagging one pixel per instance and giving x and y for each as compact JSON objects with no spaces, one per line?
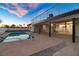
{"x":15,"y":36}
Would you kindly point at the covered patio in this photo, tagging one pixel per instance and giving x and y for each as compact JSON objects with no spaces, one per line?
{"x":64,"y":24}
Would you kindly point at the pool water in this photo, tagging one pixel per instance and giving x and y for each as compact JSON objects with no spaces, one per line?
{"x":15,"y":36}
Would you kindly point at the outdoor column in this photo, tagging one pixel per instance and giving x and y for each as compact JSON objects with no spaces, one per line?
{"x":73,"y":30}
{"x":49,"y":28}
{"x":54,"y":27}
{"x":50,"y":18}
{"x":65,"y":25}
{"x":35,"y":29}
{"x":39,"y":29}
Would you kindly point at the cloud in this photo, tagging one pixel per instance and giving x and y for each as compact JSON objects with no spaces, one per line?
{"x":33,"y":5}
{"x":18,"y":10}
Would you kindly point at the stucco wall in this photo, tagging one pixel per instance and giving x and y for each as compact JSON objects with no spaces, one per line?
{"x":77,"y":29}
{"x":45,"y":28}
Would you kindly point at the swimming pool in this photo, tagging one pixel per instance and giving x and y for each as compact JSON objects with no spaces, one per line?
{"x":15,"y":36}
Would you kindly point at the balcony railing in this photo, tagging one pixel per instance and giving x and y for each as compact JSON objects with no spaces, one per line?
{"x":55,"y":10}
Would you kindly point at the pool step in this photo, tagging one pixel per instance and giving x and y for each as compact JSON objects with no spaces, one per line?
{"x":50,"y":51}
{"x":2,"y":37}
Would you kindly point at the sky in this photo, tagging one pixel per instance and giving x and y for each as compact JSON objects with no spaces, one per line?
{"x":23,"y":13}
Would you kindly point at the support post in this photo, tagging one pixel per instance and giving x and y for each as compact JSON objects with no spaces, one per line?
{"x":54,"y":27}
{"x":73,"y":30}
{"x":39,"y":29}
{"x":50,"y":29}
{"x":65,"y":26}
{"x":50,"y":18}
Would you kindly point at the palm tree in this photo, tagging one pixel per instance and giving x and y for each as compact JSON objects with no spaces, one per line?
{"x":24,"y":25}
{"x":28,"y":25}
{"x":20,"y":25}
{"x":6,"y":26}
{"x":13,"y":26}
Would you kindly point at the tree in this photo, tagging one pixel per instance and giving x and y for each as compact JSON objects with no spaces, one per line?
{"x":6,"y":26}
{"x":13,"y":26}
{"x":29,"y":25}
{"x":24,"y":25}
{"x":20,"y":25}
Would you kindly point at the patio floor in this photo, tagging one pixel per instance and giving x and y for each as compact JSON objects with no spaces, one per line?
{"x":27,"y":47}
{"x":57,"y":45}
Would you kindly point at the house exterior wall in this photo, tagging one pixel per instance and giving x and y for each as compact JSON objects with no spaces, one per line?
{"x":36,"y":29}
{"x":61,"y":29}
{"x":77,"y":28}
{"x":45,"y":28}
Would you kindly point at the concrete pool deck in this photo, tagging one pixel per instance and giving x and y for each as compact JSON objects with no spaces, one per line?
{"x":71,"y":49}
{"x":25,"y":47}
{"x":40,"y":45}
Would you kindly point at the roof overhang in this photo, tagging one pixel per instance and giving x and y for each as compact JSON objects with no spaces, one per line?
{"x":62,"y":17}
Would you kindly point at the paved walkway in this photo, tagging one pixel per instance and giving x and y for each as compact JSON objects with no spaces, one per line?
{"x":25,"y":47}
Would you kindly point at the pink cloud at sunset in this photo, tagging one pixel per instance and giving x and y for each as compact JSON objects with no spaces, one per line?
{"x":19,"y":11}
{"x":33,"y":5}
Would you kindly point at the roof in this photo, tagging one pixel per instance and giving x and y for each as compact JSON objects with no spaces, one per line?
{"x":73,"y":12}
{"x":67,"y":14}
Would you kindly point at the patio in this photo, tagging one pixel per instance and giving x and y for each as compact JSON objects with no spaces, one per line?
{"x":40,"y":45}
{"x":25,"y":47}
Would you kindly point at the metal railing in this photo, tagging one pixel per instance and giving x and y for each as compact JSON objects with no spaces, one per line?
{"x":56,"y":10}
